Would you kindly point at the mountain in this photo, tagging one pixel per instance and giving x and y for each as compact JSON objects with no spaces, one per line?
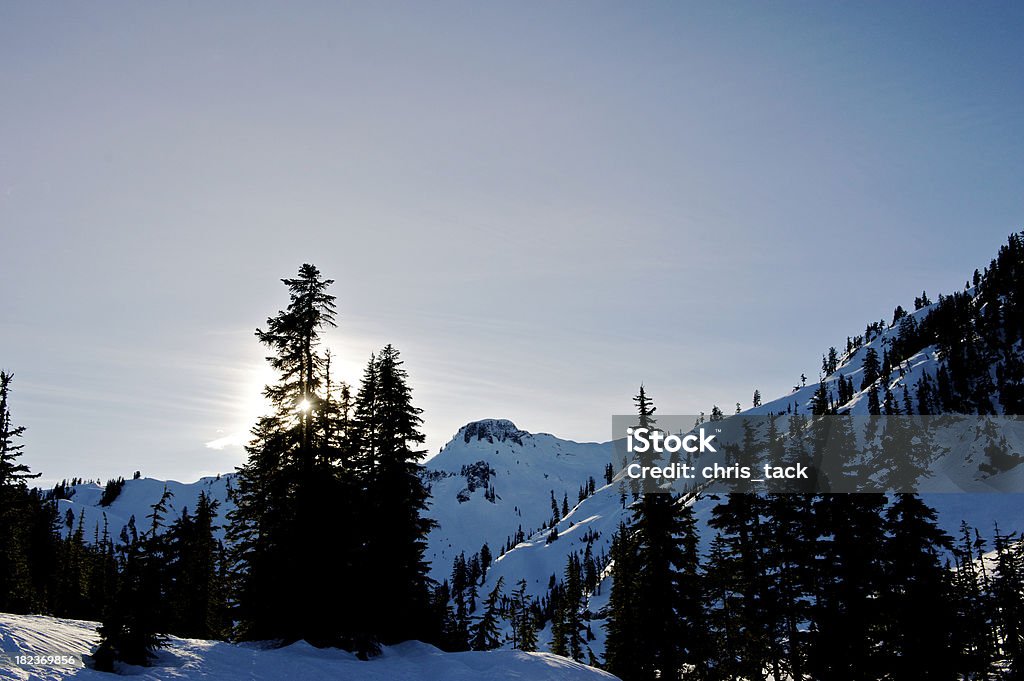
{"x":493,"y":481}
{"x":83,"y":502}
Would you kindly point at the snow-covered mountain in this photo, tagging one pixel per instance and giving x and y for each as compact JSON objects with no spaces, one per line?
{"x":136,"y":498}
{"x":493,"y":480}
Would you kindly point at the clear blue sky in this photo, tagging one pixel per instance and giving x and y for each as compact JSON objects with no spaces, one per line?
{"x":540,"y":204}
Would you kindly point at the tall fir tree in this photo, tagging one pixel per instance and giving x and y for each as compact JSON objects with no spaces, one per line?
{"x":650,"y":604}
{"x":390,"y":440}
{"x":291,"y":531}
{"x":16,"y":593}
{"x":917,"y":601}
{"x":848,"y":619}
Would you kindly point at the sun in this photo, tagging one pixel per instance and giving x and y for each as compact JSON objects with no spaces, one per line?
{"x":304,"y":405}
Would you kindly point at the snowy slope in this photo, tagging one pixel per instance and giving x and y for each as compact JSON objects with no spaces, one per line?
{"x":522,"y":468}
{"x":185,"y":659}
{"x":600,"y":515}
{"x":136,"y":499}
{"x":979,"y":510}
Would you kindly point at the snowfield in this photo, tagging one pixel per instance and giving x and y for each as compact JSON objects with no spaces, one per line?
{"x":194,"y":659}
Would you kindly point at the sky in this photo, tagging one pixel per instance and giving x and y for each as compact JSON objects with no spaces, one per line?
{"x":541,"y":205}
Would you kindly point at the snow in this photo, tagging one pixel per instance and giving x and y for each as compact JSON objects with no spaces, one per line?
{"x":136,"y":499}
{"x":526,"y":467}
{"x":185,"y":659}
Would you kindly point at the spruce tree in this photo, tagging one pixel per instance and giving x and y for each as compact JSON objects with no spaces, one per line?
{"x":135,"y":623}
{"x":291,"y":532}
{"x":653,"y":612}
{"x":846,"y":613}
{"x":625,"y":654}
{"x":1008,"y":598}
{"x":918,"y":608}
{"x":390,"y":440}
{"x":16,"y":593}
{"x":572,"y":604}
{"x":197,"y":595}
{"x":485,"y":633}
{"x":524,"y":626}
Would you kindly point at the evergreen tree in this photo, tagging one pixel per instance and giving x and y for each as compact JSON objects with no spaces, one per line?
{"x":524,"y":625}
{"x":874,"y":408}
{"x":848,"y":619}
{"x":291,"y":532}
{"x":12,"y":473}
{"x":974,"y":640}
{"x":917,"y":600}
{"x":791,"y":541}
{"x":133,"y":624}
{"x":460,"y":582}
{"x":739,"y":590}
{"x":625,"y":654}
{"x":485,"y":634}
{"x":16,"y":593}
{"x":1008,"y":597}
{"x":485,"y":561}
{"x":395,"y":569}
{"x":649,"y":605}
{"x":572,"y":604}
{"x":197,"y":595}
{"x":872,"y":368}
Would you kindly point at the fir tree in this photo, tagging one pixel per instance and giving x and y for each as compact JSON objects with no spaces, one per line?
{"x":485,"y":633}
{"x":524,"y":626}
{"x":625,"y":648}
{"x":293,"y":492}
{"x":396,"y":572}
{"x":872,"y":368}
{"x":649,"y":604}
{"x":196,"y":593}
{"x":917,"y":601}
{"x":1008,"y":597}
{"x":572,"y":604}
{"x":16,"y":593}
{"x":846,"y":612}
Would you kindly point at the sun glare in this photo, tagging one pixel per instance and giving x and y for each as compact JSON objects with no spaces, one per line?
{"x":303,"y":405}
